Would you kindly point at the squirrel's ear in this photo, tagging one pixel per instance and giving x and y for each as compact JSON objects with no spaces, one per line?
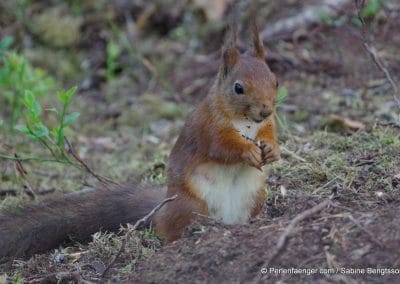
{"x":259,"y":50}
{"x":230,"y":54}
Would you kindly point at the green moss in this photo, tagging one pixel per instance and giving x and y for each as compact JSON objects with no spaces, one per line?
{"x":142,"y":244}
{"x":56,"y":27}
{"x":301,"y":116}
{"x":17,"y":279}
{"x":149,"y":108}
{"x":63,"y":64}
{"x":337,"y":160}
{"x":341,"y":143}
{"x":160,"y":108}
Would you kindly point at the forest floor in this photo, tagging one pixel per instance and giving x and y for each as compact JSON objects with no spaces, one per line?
{"x":336,"y":133}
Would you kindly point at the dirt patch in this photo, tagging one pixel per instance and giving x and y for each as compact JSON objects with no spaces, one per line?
{"x":334,"y":239}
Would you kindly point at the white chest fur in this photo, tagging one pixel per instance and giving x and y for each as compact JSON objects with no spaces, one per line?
{"x":247,"y":128}
{"x":229,"y":190}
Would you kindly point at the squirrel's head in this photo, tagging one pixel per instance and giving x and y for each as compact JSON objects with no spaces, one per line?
{"x":245,"y":83}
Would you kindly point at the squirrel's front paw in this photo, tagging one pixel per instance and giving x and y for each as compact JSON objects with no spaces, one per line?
{"x":270,"y":153}
{"x":253,"y":157}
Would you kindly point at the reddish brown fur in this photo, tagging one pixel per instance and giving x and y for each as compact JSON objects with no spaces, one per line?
{"x":258,"y":205}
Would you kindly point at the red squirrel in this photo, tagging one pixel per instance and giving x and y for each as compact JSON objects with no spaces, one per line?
{"x":215,"y":167}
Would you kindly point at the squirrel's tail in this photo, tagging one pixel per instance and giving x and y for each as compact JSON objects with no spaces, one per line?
{"x":41,"y":227}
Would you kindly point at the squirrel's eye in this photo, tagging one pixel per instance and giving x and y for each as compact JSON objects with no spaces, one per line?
{"x":238,"y":88}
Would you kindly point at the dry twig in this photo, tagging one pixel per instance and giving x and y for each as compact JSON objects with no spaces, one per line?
{"x":292,"y":154}
{"x":102,"y":179}
{"x":283,"y":239}
{"x":14,"y":192}
{"x":129,"y":233}
{"x":375,"y":58}
{"x":309,"y":15}
{"x":368,"y":233}
{"x":23,"y":173}
{"x":5,"y":192}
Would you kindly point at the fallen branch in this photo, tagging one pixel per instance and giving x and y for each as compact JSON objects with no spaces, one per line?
{"x":368,"y":233}
{"x":291,"y":154}
{"x":309,"y":15}
{"x":378,"y":62}
{"x":129,"y":233}
{"x":323,"y":186}
{"x":389,"y":124}
{"x":14,"y":192}
{"x":46,"y":191}
{"x":283,"y":239}
{"x":5,"y":192}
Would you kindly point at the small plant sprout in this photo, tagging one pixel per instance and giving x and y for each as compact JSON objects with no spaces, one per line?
{"x":113,"y":52}
{"x":34,"y":127}
{"x":65,"y":119}
{"x":51,"y":138}
{"x":16,"y":76}
{"x":281,"y":95}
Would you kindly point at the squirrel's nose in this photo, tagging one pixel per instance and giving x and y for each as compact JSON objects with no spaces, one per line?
{"x":265,"y":113}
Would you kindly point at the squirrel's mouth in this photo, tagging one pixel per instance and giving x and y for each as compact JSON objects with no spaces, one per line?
{"x":257,"y":120}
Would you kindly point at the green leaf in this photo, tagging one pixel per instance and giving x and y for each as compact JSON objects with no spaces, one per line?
{"x":69,"y":93}
{"x":281,"y":96}
{"x":39,"y":130}
{"x":357,"y":22}
{"x":52,"y":109}
{"x":29,"y":98}
{"x":22,"y":128}
{"x":68,"y":119}
{"x":16,"y":76}
{"x":8,"y":95}
{"x":5,"y":75}
{"x":32,"y":104}
{"x":6,"y":42}
{"x":113,"y":50}
{"x":372,"y":8}
{"x":54,"y":132}
{"x":325,"y":18}
{"x":62,"y":97}
{"x":60,"y":136}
